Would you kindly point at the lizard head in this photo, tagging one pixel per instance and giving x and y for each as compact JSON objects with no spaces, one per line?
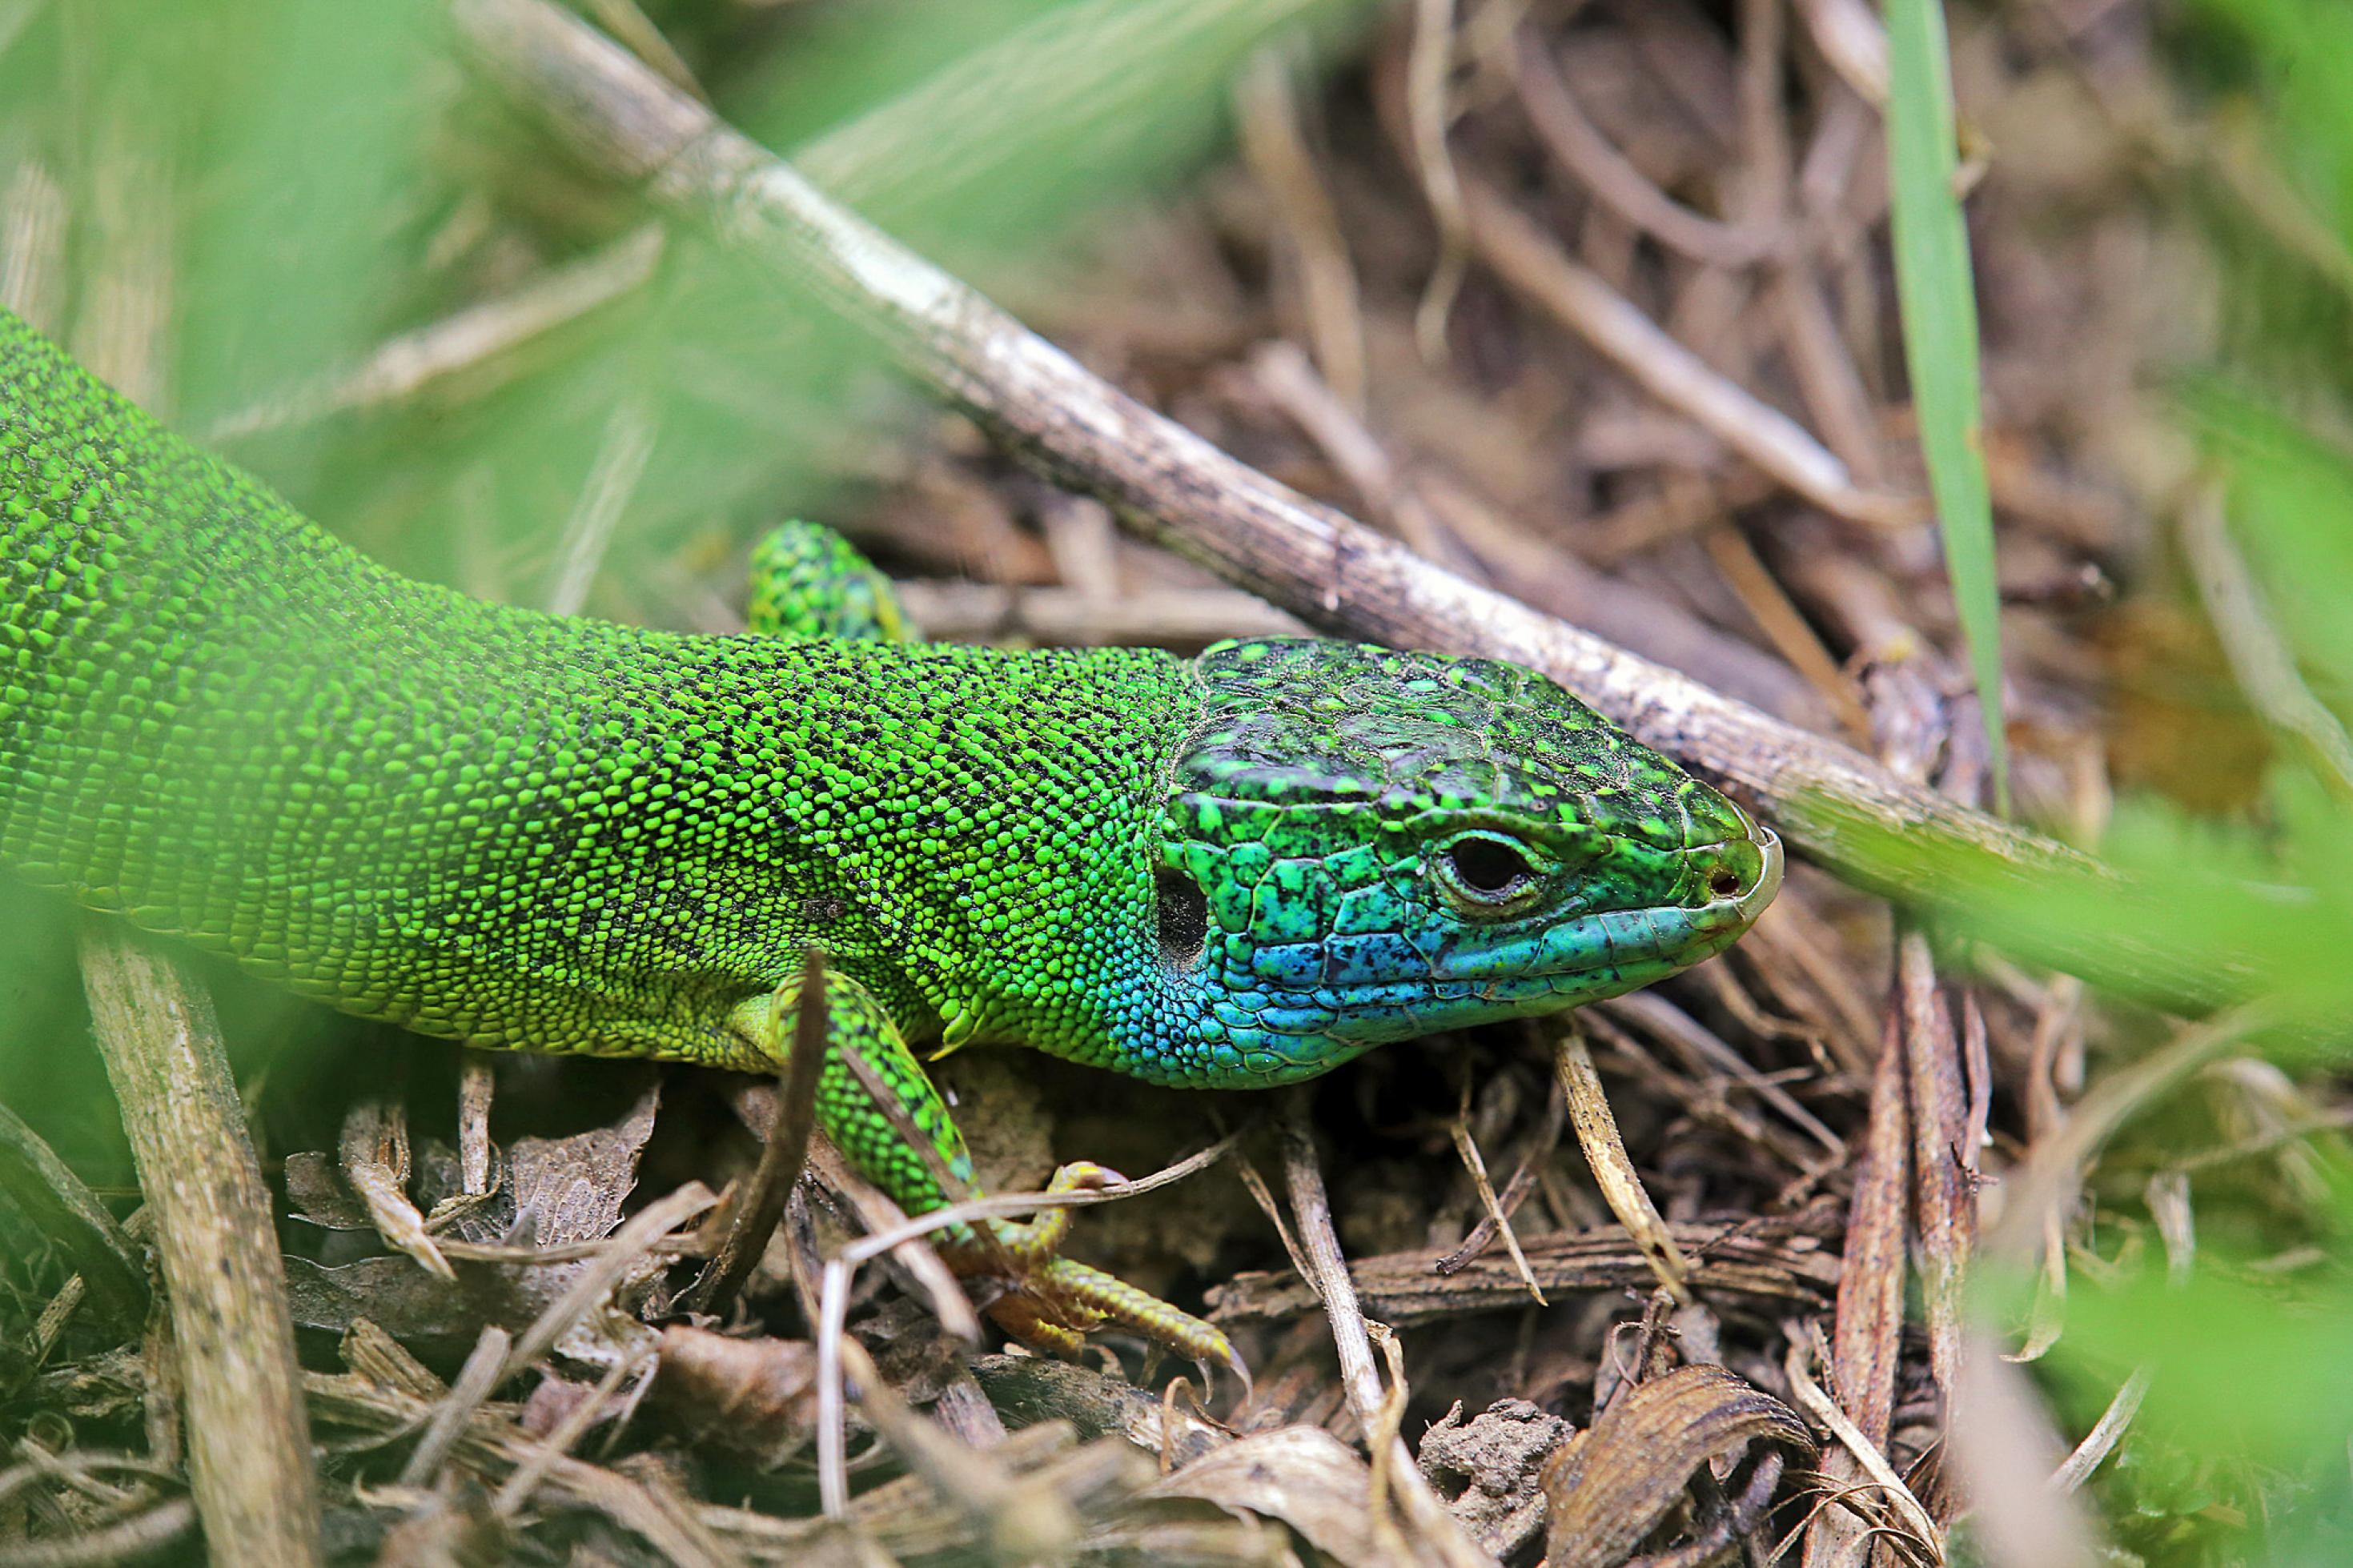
{"x":1361,"y":846}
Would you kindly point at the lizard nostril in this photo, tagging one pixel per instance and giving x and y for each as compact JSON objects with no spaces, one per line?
{"x":1725,"y":882}
{"x":1184,"y":918}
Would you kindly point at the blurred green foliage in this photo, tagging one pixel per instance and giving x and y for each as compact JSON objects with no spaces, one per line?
{"x":1937,"y":291}
{"x":2241,"y":1452}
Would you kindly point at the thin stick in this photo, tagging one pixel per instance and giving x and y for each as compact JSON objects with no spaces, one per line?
{"x":1578,"y":145}
{"x":33,"y":220}
{"x":1002,"y":1205}
{"x":1868,"y":1339}
{"x":1353,"y":1341}
{"x":1277,"y":150}
{"x":1476,"y":1163}
{"x":833,"y":1314}
{"x":2103,"y":1437}
{"x":1808,"y":1394}
{"x":1526,"y":258}
{"x":140,"y":1536}
{"x":410,"y":363}
{"x":631,"y":1243}
{"x":1661,"y":1017}
{"x":1613,"y":1169}
{"x":877,"y":1214}
{"x":787,"y":1152}
{"x":476,"y":1381}
{"x":1515,"y":1191}
{"x":1023,"y":1519}
{"x":524,"y":1482}
{"x":2052,"y":1172}
{"x":1784,"y":626}
{"x":1868,"y":1336}
{"x":249,"y":1438}
{"x":1428,"y":66}
{"x":1851,"y":39}
{"x":620,"y":463}
{"x":1944,"y":1208}
{"x":832,"y":1436}
{"x":477,"y":1086}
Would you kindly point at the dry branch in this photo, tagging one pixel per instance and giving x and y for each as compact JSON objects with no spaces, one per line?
{"x":1868,"y":1333}
{"x":248,"y":1443}
{"x":1435,"y":1532}
{"x":763,"y":1204}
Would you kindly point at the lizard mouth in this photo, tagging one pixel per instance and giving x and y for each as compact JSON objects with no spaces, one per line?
{"x":1547,"y":962}
{"x":1642,"y":944}
{"x":1751,"y":900}
{"x":1288,"y":1012}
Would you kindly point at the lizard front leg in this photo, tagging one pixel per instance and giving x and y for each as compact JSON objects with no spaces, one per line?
{"x":1052,"y":1302}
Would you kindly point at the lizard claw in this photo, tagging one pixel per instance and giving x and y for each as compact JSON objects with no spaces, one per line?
{"x":1233,"y":1363}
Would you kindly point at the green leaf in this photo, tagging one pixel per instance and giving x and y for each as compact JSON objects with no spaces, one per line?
{"x":1937,"y":293}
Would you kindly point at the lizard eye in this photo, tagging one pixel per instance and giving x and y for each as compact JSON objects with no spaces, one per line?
{"x":1183,"y":919}
{"x":1488,"y":864}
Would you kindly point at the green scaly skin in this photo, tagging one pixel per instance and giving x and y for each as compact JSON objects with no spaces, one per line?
{"x":558,"y":834}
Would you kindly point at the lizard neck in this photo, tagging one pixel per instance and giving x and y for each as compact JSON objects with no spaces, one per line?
{"x":1195,"y":1036}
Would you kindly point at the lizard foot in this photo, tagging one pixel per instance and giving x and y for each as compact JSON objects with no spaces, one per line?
{"x":1054,"y":1302}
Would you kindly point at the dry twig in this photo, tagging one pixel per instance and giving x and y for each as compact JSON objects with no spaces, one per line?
{"x":1613,"y":1169}
{"x":762,"y":1203}
{"x":249,"y":1443}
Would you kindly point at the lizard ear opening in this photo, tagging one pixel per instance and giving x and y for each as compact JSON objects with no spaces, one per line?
{"x":1183,"y":919}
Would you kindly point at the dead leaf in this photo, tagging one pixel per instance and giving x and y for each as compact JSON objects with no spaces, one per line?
{"x":752,"y":1399}
{"x":1300,"y":1475}
{"x":1609,"y":1488}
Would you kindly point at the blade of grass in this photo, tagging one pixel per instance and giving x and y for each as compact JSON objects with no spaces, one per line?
{"x":1937,"y":295}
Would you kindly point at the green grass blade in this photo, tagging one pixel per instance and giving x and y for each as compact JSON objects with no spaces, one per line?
{"x":1937,"y":293}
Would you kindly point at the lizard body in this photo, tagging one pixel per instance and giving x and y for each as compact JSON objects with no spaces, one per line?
{"x":556,"y":834}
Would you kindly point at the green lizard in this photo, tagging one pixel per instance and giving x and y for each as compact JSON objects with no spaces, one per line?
{"x":555,"y":834}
